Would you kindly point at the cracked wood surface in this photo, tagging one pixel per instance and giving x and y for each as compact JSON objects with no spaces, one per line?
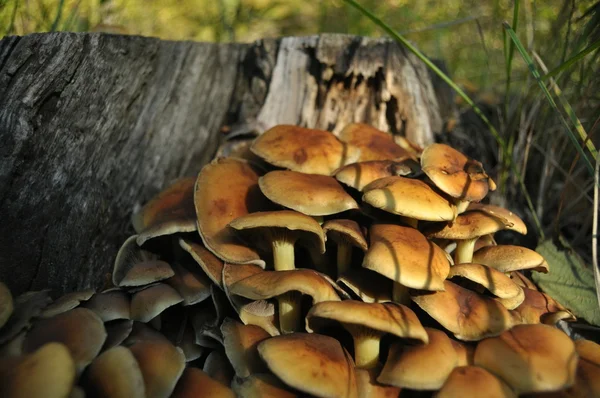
{"x":93,"y":125}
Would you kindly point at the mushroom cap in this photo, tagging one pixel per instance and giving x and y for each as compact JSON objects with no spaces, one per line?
{"x":210,"y":264}
{"x":261,"y":385}
{"x":368,"y":285}
{"x":304,"y":150}
{"x":465,"y":353}
{"x":498,"y":283}
{"x":240,"y":342}
{"x":193,"y":287}
{"x":508,"y":217}
{"x":269,"y":284}
{"x":225,"y":190}
{"x":404,"y":255}
{"x":392,"y":318}
{"x":161,"y":364}
{"x":358,"y":175}
{"x":507,"y":258}
{"x":471,"y":381}
{"x":135,"y":266}
{"x":150,"y":302}
{"x":346,"y":231}
{"x":66,"y":302}
{"x":535,"y":305}
{"x":409,"y":198}
{"x":454,"y":173}
{"x":6,"y":304}
{"x":115,"y":373}
{"x":483,"y":241}
{"x":304,"y":227}
{"x":530,"y":358}
{"x":171,"y":211}
{"x":110,"y":305}
{"x":79,"y":329}
{"x":217,"y":366}
{"x":26,"y":306}
{"x":46,"y":373}
{"x":311,"y":194}
{"x":116,"y":332}
{"x":469,"y":225}
{"x":195,"y":383}
{"x":312,"y":363}
{"x":470,"y":316}
{"x":374,"y":144}
{"x":522,"y":280}
{"x":369,"y":387}
{"x":420,"y":367}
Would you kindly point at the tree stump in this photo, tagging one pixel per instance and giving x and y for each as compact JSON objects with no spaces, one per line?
{"x":93,"y":125}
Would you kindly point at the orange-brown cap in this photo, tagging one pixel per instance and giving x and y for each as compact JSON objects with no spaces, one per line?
{"x":171,"y":211}
{"x":471,"y":382}
{"x":311,"y":194}
{"x":110,"y":305}
{"x":537,"y":305}
{"x":374,"y":144}
{"x":210,"y":264}
{"x":342,"y":230}
{"x":304,"y":150}
{"x":135,"y":266}
{"x":194,"y":383}
{"x":240,"y":342}
{"x":358,"y":175}
{"x":115,"y":373}
{"x":161,"y":364}
{"x":369,"y":286}
{"x":150,"y":302}
{"x":507,"y":258}
{"x":261,"y":385}
{"x":514,"y":222}
{"x":470,"y":225}
{"x":225,"y":190}
{"x":194,"y":287}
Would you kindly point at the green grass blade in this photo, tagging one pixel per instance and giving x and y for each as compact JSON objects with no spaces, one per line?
{"x":536,"y":74}
{"x":399,"y":38}
{"x":13,"y":18}
{"x":568,"y":63}
{"x":58,"y":16}
{"x":509,"y":55}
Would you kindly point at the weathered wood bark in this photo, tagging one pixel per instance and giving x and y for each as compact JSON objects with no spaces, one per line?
{"x":93,"y":125}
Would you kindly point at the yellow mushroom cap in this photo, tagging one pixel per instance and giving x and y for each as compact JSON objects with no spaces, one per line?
{"x":469,"y":225}
{"x":530,"y":358}
{"x":312,"y":363}
{"x":536,"y":305}
{"x":225,"y":190}
{"x":311,"y":194}
{"x":473,"y":382}
{"x":358,"y":175}
{"x":404,"y":255}
{"x":304,"y":150}
{"x":507,"y":258}
{"x":409,"y":198}
{"x":508,"y":217}
{"x":342,"y":230}
{"x":374,"y":144}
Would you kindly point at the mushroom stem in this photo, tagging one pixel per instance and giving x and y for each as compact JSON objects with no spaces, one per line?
{"x":366,"y":346}
{"x":344,"y":257}
{"x":283,"y":254}
{"x":464,"y":251}
{"x":289,"y":312}
{"x":400,"y":294}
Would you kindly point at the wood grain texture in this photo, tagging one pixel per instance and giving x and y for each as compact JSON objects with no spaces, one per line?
{"x":93,"y":125}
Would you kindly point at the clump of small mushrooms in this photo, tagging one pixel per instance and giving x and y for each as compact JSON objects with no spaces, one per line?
{"x":308,"y":264}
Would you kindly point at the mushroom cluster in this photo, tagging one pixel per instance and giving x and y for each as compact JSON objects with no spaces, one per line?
{"x":308,"y":264}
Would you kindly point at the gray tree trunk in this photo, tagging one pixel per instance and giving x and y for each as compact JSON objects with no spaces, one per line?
{"x":93,"y":125}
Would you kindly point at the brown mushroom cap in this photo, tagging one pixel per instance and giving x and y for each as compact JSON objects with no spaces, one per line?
{"x":507,"y":258}
{"x":470,"y":225}
{"x":225,"y":190}
{"x":26,"y":306}
{"x":6,"y":304}
{"x":531,"y":358}
{"x":536,"y":305}
{"x":194,"y":383}
{"x":137,"y":267}
{"x":470,"y":316}
{"x":217,"y":366}
{"x":79,"y":329}
{"x":193,"y":287}
{"x":454,"y":173}
{"x":171,"y":211}
{"x":409,"y":198}
{"x":240,"y":342}
{"x":369,"y":286}
{"x":161,"y":364}
{"x":65,"y":303}
{"x":115,"y":373}
{"x":210,"y":264}
{"x":150,"y":302}
{"x":508,"y":217}
{"x":304,"y":150}
{"x":471,"y":382}
{"x":374,"y":144}
{"x":116,"y":332}
{"x":261,"y":385}
{"x":522,"y":280}
{"x":311,"y":363}
{"x":465,"y":353}
{"x":311,"y":194}
{"x":358,"y":175}
{"x":110,"y":305}
{"x":420,"y":367}
{"x":405,"y":256}
{"x":342,"y":230}
{"x":48,"y":372}
{"x":498,"y":283}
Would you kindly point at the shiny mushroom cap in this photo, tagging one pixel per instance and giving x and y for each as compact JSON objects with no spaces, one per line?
{"x":471,"y":381}
{"x":304,"y":150}
{"x":171,"y":211}
{"x":161,"y":364}
{"x":507,"y":258}
{"x":225,"y":190}
{"x":137,"y":267}
{"x":514,"y":222}
{"x":311,"y":194}
{"x":115,"y":373}
{"x":349,"y":231}
{"x":358,"y":175}
{"x":374,"y":144}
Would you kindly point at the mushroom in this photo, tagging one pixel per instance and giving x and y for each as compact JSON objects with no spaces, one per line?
{"x":304,"y":150}
{"x":367,"y":323}
{"x":311,"y":363}
{"x":522,"y":280}
{"x":374,"y":144}
{"x":65,"y":303}
{"x":135,"y":266}
{"x":218,"y":367}
{"x":537,"y":305}
{"x":193,"y":287}
{"x":210,"y":264}
{"x":369,"y":387}
{"x":469,"y":315}
{"x":367,"y":285}
{"x":471,"y":382}
{"x":225,"y":190}
{"x":195,"y":383}
{"x":150,"y":302}
{"x":412,"y":199}
{"x":460,"y":177}
{"x":420,"y":367}
{"x":358,"y":175}
{"x":110,"y":305}
{"x":115,"y":374}
{"x":405,"y":256}
{"x":310,"y":194}
{"x":261,"y":385}
{"x":346,"y":234}
{"x":507,"y":258}
{"x":240,"y":342}
{"x":161,"y":364}
{"x":530,"y":358}
{"x":26,"y":306}
{"x":171,"y":211}
{"x":6,"y":304}
{"x":116,"y":332}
